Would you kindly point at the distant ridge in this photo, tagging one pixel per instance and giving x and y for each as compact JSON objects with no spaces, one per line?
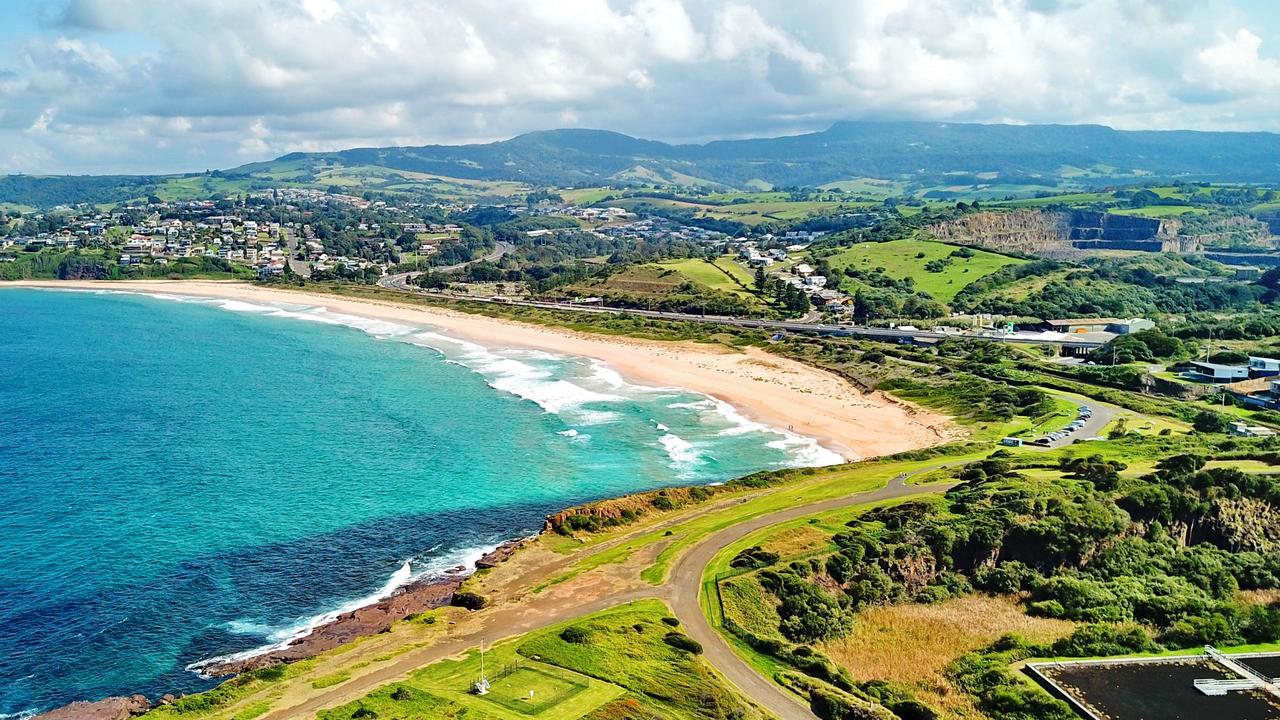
{"x":906,"y":150}
{"x":922,"y":154}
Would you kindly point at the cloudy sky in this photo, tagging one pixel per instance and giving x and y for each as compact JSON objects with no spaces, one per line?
{"x":89,"y":86}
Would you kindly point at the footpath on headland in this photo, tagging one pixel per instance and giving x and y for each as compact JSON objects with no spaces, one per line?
{"x":680,"y":591}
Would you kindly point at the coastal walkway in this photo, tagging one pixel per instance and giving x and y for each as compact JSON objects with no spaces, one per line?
{"x":680,"y":592}
{"x":684,"y":588}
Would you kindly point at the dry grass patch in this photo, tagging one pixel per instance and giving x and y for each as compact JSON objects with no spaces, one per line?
{"x":797,"y":541}
{"x":1258,"y":597}
{"x":913,"y":644}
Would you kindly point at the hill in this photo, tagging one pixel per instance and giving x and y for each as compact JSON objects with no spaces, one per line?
{"x":951,"y":153}
{"x":931,"y":158}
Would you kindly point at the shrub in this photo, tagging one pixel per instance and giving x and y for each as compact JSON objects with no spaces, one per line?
{"x":680,"y":641}
{"x":575,"y":634}
{"x":673,"y":622}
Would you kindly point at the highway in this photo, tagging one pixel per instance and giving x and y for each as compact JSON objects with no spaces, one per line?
{"x":401,"y":282}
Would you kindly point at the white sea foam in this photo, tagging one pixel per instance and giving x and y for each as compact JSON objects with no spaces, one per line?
{"x":283,"y":635}
{"x":683,"y":454}
{"x":804,"y":451}
{"x":513,"y":372}
{"x":568,"y":433}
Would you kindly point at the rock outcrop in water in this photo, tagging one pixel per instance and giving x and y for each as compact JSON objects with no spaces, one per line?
{"x":369,"y":620}
{"x":112,"y":708}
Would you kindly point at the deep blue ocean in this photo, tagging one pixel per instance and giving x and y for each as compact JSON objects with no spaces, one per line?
{"x":182,"y":479}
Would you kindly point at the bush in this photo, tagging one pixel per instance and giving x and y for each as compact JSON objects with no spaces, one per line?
{"x":673,"y":622}
{"x":680,"y":641}
{"x":753,"y":558}
{"x":1096,"y":640}
{"x":663,"y":502}
{"x":1208,"y":421}
{"x":575,"y":634}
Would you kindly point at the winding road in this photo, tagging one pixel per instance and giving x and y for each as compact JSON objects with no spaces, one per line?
{"x":684,"y":588}
{"x":400,"y":281}
{"x":680,"y":591}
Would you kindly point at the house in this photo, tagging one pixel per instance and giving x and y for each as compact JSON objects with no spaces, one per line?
{"x":1259,"y":392}
{"x":803,"y":270}
{"x":1217,"y":373}
{"x":1263,"y":367}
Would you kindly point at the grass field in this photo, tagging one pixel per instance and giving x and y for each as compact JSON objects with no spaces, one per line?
{"x":719,"y":276}
{"x":907,"y":258}
{"x":748,"y":213}
{"x":1159,"y":211}
{"x":619,"y":665}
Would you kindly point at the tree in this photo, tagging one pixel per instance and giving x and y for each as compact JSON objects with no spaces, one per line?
{"x":761,"y":279}
{"x":1208,"y":421}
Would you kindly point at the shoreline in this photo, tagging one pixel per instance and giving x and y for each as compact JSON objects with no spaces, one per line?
{"x":778,"y":392}
{"x":781,"y":393}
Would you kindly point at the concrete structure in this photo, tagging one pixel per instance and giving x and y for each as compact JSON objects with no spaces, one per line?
{"x":1079,"y":325}
{"x":1132,"y":325}
{"x":1241,"y":428}
{"x":1096,"y":325}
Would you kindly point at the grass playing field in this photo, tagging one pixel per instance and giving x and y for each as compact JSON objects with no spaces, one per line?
{"x":618,"y":664}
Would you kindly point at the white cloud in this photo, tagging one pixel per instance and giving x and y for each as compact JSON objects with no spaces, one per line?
{"x":1233,"y":65}
{"x":151,"y":85}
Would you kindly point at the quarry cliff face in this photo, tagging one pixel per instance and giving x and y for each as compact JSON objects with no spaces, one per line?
{"x":1060,"y":234}
{"x":1034,"y":232}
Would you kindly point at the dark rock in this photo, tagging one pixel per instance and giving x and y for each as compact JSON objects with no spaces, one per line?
{"x":112,"y":708}
{"x":372,"y":619}
{"x":499,"y":555}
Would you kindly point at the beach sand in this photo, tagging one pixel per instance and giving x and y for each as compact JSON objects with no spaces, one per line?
{"x":769,"y":389}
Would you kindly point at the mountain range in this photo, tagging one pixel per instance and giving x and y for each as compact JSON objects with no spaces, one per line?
{"x":921,"y":154}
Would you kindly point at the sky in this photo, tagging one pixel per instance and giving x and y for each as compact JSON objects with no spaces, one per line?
{"x":151,"y":86}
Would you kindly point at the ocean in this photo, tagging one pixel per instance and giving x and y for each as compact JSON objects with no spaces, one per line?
{"x":186,"y":478}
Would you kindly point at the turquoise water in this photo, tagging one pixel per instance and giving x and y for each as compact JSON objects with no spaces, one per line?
{"x":183,"y":479}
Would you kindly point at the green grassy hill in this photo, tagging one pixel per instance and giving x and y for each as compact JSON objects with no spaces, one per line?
{"x":919,"y":259}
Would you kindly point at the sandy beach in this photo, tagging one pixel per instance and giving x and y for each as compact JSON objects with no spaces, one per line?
{"x":772,"y":390}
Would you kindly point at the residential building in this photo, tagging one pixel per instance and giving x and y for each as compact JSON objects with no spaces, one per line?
{"x":1263,"y":367}
{"x":1217,"y":373}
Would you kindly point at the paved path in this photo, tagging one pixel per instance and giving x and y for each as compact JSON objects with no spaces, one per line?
{"x":1103,"y":414}
{"x":680,"y":591}
{"x":685,"y":587}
